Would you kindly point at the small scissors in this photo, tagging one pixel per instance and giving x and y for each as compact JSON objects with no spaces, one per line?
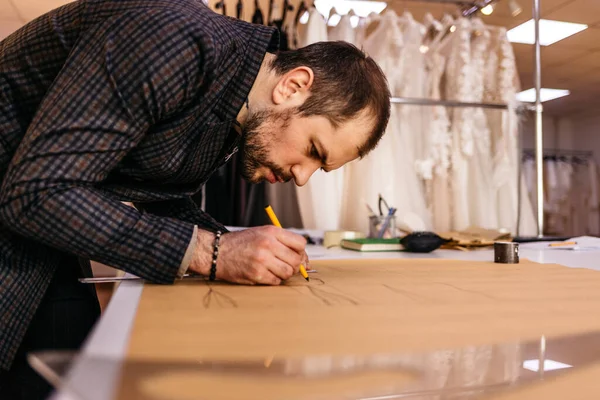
{"x":382,"y":200}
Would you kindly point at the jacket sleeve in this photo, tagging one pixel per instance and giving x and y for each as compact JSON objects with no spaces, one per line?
{"x":184,"y":210}
{"x":123,"y":76}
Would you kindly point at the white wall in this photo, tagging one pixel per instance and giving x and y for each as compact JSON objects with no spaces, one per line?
{"x":565,"y":133}
{"x":587,"y":135}
{"x":558,"y":133}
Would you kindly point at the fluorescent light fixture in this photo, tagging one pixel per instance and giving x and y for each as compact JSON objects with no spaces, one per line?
{"x":528,"y":96}
{"x":550,"y":31}
{"x":362,"y":8}
{"x":549,"y":365}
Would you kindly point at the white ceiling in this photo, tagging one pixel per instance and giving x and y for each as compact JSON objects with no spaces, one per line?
{"x":573,"y":63}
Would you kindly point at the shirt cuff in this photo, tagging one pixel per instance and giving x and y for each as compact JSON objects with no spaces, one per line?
{"x":189,"y":253}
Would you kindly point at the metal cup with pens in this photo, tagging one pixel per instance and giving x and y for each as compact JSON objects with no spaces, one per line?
{"x":383,"y":226}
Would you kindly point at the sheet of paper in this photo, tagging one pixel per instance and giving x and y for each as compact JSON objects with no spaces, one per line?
{"x":580,"y":243}
{"x":360,"y":308}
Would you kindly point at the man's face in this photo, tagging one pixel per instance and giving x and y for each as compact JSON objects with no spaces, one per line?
{"x":278,"y":146}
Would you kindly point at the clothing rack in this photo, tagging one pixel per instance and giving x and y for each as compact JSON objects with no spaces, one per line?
{"x":560,"y":152}
{"x":469,"y":8}
{"x":450,"y":103}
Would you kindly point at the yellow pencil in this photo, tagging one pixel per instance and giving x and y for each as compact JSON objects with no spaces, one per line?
{"x":562,"y":244}
{"x":275,"y":222}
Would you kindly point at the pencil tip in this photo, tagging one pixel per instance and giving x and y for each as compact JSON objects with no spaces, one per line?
{"x":307,"y":280}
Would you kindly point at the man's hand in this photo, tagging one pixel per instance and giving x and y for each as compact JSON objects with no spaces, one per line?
{"x":263,"y":255}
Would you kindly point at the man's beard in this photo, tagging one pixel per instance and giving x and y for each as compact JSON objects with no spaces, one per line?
{"x":257,"y":137}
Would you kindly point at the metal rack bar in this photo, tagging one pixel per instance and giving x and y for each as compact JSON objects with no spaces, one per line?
{"x":445,"y":103}
{"x":451,"y":103}
{"x":469,"y":7}
{"x":476,"y":7}
{"x":539,"y":137}
{"x":560,"y":152}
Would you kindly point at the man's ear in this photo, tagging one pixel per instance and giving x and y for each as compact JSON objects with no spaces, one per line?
{"x":293,"y":87}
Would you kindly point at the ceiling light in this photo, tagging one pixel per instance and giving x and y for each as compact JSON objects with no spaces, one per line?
{"x":515,"y":8}
{"x":304,"y":18}
{"x":453,"y":28}
{"x":423,"y":49}
{"x":334,"y":20}
{"x":528,"y":96}
{"x":362,"y":8}
{"x":549,"y":365}
{"x":550,"y":31}
{"x":487,"y":10}
{"x":354,"y":20}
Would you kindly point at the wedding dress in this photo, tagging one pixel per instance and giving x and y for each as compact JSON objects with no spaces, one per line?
{"x":387,"y":170}
{"x":320,"y":200}
{"x":378,"y":172}
{"x":501,"y":86}
{"x":434,"y":160}
{"x":458,"y":47}
{"x":482,"y":199}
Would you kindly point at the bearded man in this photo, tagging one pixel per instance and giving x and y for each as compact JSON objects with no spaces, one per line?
{"x":110,"y":101}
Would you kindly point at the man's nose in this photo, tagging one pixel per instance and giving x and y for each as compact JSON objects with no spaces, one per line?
{"x":302,"y":173}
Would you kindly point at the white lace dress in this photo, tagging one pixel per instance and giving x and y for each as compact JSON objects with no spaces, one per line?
{"x":387,"y":169}
{"x":412,"y":120}
{"x":379,"y":172}
{"x":320,"y":200}
{"x":457,"y":88}
{"x":501,"y":86}
{"x":482,"y":199}
{"x":434,"y":161}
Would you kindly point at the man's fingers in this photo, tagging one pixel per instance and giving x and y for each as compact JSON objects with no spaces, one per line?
{"x":288,"y":256}
{"x":281,"y":270}
{"x":291,"y":240}
{"x":265,"y":277}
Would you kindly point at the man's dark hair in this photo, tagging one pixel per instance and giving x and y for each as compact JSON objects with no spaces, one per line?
{"x":346,"y":81}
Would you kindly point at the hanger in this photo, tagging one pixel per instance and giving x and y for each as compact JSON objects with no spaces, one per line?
{"x":286,"y":7}
{"x":239,"y":9}
{"x":257,"y":17}
{"x":432,"y":27}
{"x":442,"y":36}
{"x":221,"y":5}
{"x":301,"y":10}
{"x":270,"y":12}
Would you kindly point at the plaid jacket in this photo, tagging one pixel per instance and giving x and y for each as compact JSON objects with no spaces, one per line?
{"x":103,"y":101}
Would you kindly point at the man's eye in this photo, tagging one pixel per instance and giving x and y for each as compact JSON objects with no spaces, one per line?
{"x":314,"y":152}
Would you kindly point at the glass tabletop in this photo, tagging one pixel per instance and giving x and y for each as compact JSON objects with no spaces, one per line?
{"x":471,"y":372}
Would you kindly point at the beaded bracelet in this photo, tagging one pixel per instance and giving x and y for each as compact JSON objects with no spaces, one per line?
{"x":213,"y":267}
